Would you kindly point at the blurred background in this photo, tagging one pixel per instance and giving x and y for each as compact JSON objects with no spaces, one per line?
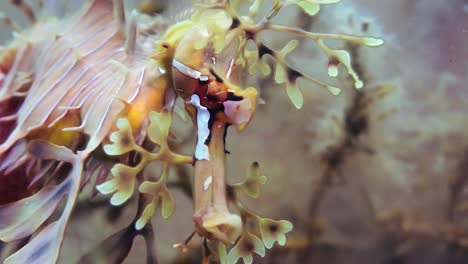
{"x":377,"y":175}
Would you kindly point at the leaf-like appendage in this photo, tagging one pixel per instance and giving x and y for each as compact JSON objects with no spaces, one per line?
{"x":145,"y":216}
{"x":372,"y":42}
{"x":20,"y":219}
{"x":158,"y":130}
{"x":167,"y":203}
{"x":158,"y":190}
{"x":333,"y":90}
{"x":280,"y":74}
{"x":245,"y":248}
{"x":43,"y":248}
{"x":253,"y":180}
{"x":344,"y":58}
{"x":295,"y":94}
{"x":122,"y":139}
{"x":312,"y":7}
{"x":309,"y":8}
{"x":332,"y":70}
{"x":261,"y":66}
{"x":273,"y":231}
{"x":124,"y":177}
{"x":255,"y":63}
{"x":288,"y":48}
{"x":123,"y":184}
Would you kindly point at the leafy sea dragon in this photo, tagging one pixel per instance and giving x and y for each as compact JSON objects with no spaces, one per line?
{"x":79,"y":100}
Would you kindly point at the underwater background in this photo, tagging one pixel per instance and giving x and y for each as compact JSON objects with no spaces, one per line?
{"x":377,"y":175}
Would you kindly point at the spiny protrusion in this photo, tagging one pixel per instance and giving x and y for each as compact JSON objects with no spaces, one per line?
{"x":119,"y":15}
{"x":131,"y":34}
{"x":25,"y":8}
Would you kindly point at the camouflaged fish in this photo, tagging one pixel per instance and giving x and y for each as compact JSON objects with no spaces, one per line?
{"x":88,"y":99}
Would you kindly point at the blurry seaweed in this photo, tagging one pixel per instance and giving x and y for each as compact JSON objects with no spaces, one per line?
{"x":356,"y":123}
